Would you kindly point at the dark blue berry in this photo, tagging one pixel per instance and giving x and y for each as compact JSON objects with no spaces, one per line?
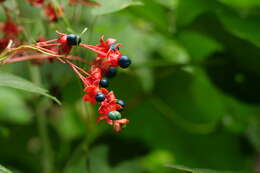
{"x":104,"y":83}
{"x":121,"y":103}
{"x":124,"y":61}
{"x":111,"y":72}
{"x":114,"y":115}
{"x":100,"y":97}
{"x":113,"y":47}
{"x":73,"y":39}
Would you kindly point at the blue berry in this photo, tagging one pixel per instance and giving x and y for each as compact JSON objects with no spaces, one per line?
{"x":113,"y":47}
{"x":73,"y":39}
{"x":121,"y":103}
{"x":124,"y":61}
{"x":112,"y":71}
{"x":104,"y":83}
{"x":100,"y":97}
{"x":114,"y":115}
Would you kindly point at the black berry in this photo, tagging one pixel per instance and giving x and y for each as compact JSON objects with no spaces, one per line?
{"x":124,"y":61}
{"x":73,"y":39}
{"x":104,"y":83}
{"x":112,"y":71}
{"x":121,"y":103}
{"x":100,"y":97}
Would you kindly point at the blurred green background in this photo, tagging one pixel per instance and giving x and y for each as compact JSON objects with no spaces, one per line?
{"x":192,"y":92}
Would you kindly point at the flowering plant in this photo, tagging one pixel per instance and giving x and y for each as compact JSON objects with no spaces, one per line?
{"x":94,"y":79}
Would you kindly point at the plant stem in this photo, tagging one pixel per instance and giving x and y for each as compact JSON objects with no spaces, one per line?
{"x":47,"y":156}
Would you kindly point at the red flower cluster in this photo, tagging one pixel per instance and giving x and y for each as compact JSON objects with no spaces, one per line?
{"x":85,"y":2}
{"x":108,"y":58}
{"x":10,"y":32}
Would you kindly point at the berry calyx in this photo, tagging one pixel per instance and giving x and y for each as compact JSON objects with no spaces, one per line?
{"x":73,"y":39}
{"x":100,"y":97}
{"x":124,"y":61}
{"x":114,"y":115}
{"x":112,"y":71}
{"x":122,"y":104}
{"x":104,"y":83}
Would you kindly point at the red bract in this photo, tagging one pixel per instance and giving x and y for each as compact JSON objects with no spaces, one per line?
{"x":37,"y":3}
{"x":119,"y":124}
{"x":95,"y":75}
{"x":86,"y":2}
{"x":108,"y":53}
{"x":52,"y":13}
{"x":109,"y":104}
{"x":92,"y":91}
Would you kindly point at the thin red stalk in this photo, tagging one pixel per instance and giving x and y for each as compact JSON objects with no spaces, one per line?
{"x":46,"y":50}
{"x":29,"y":57}
{"x":76,"y":71}
{"x":48,"y":41}
{"x":78,"y":59}
{"x":93,"y":49}
{"x":61,"y":60}
{"x":80,"y":69}
{"x":48,"y":45}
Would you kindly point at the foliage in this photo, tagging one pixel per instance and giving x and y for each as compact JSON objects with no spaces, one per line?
{"x":191,"y":94}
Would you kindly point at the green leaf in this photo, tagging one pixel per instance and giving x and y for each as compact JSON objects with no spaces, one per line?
{"x":69,"y":125}
{"x":77,"y":162}
{"x":12,"y":81}
{"x":112,"y":6}
{"x":188,"y":10}
{"x":4,"y":170}
{"x":12,"y":108}
{"x":243,"y":4}
{"x":98,"y":160}
{"x":165,"y":125}
{"x":196,"y":170}
{"x":173,"y":52}
{"x":199,"y":46}
{"x":253,"y":132}
{"x":146,"y":78}
{"x":154,"y":160}
{"x":245,"y":28}
{"x":168,"y":3}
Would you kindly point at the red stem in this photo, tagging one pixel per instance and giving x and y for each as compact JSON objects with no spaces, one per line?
{"x":93,"y":48}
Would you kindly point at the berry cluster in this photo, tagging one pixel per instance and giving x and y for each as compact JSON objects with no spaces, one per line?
{"x":95,"y":79}
{"x":108,"y":58}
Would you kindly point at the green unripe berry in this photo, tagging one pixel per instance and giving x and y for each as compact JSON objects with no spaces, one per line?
{"x":114,"y":115}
